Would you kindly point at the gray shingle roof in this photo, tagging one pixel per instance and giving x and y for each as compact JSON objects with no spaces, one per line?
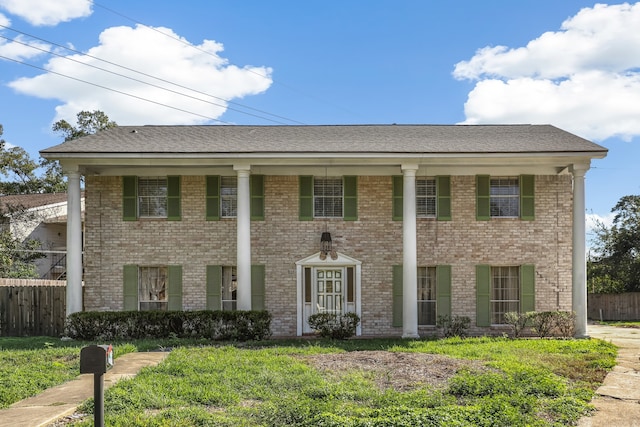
{"x":328,"y":139}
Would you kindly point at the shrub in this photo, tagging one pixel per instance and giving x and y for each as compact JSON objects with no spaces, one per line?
{"x":330,"y":325}
{"x":125,"y":325}
{"x":517,"y":321}
{"x":453,"y":326}
{"x":566,"y":323}
{"x":553,"y":323}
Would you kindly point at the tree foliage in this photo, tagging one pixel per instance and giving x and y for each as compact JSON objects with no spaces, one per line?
{"x":88,"y":123}
{"x":614,"y":265}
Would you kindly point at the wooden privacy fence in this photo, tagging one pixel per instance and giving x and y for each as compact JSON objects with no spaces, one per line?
{"x":614,"y":306}
{"x":32,"y":307}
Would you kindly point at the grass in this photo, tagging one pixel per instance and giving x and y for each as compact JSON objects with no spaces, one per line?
{"x":530,"y":382}
{"x":622,"y":323}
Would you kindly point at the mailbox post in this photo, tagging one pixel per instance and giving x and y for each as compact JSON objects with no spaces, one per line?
{"x":96,"y":359}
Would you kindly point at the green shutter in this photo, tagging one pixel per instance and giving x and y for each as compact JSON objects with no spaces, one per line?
{"x":397,"y":200}
{"x":306,"y":198}
{"x":256,"y":184}
{"x":527,"y":197}
{"x":130,"y":287}
{"x":397,"y":296}
{"x":174,"y":287}
{"x":483,"y":295}
{"x":212,"y":197}
{"x":214,"y":287}
{"x":350,"y":198}
{"x":173,"y":198}
{"x":129,"y":198}
{"x":527,"y":288}
{"x":257,"y":287}
{"x":444,"y":197}
{"x":483,"y":197}
{"x":443,"y":290}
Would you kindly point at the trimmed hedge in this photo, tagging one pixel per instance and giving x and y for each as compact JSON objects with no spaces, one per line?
{"x":126,"y":325}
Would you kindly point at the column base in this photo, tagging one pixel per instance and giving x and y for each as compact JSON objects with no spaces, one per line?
{"x":410,"y":336}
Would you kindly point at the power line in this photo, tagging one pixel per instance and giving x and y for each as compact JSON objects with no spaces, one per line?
{"x":146,"y":75}
{"x":135,"y":21}
{"x":113,"y":90}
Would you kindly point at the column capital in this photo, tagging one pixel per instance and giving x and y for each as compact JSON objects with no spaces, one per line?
{"x":409,"y":168}
{"x":579,"y":169}
{"x":240,"y":168}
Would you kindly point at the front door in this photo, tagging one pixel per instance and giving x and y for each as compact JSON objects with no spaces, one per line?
{"x":329,"y":285}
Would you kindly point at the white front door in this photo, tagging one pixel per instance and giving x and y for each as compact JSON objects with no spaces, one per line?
{"x":327,"y":285}
{"x":328,"y":295}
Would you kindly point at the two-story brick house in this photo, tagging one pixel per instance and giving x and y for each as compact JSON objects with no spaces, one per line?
{"x":398,"y":223}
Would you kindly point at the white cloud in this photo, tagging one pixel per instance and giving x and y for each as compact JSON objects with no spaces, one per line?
{"x":4,"y":20}
{"x":146,"y":50}
{"x":47,"y":12}
{"x":21,"y":48}
{"x":584,"y":78}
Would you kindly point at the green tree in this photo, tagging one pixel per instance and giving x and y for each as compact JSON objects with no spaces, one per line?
{"x":87,"y":123}
{"x":614,"y":265}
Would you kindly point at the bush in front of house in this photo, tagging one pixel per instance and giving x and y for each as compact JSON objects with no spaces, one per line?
{"x":518,"y":321}
{"x":544,"y":324}
{"x":126,"y":325}
{"x":337,"y":326}
{"x":453,"y":326}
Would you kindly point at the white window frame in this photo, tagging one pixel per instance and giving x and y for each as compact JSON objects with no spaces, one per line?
{"x":504,"y":194}
{"x":426,"y":296}
{"x":229,"y":289}
{"x":426,"y":197}
{"x":152,"y":196}
{"x":505,"y":292}
{"x":321,"y":187}
{"x":228,"y":196}
{"x":153,"y":292}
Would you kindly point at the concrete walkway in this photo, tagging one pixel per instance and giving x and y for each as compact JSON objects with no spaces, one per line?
{"x":617,"y":400}
{"x":60,"y":401}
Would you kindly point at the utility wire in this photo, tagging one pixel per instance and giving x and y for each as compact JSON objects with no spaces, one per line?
{"x":146,"y":75}
{"x":135,"y":21}
{"x":113,"y":90}
{"x":138,"y":80}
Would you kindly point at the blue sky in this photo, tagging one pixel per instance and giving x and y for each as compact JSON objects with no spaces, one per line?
{"x":574,"y":64}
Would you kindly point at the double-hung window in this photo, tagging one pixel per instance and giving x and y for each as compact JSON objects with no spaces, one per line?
{"x":229,"y":196}
{"x":503,"y":289}
{"x":426,"y":197}
{"x":505,"y":197}
{"x":152,"y":197}
{"x":427,"y":296}
{"x":327,"y":197}
{"x":229,"y":291}
{"x":505,"y":292}
{"x":152,"y":288}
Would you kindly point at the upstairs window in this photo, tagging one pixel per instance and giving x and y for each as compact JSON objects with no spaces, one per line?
{"x":327,"y":197}
{"x":229,"y":196}
{"x":152,"y":197}
{"x":505,"y":197}
{"x":426,"y":197}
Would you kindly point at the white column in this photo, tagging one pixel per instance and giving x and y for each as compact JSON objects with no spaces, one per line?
{"x":74,"y":244}
{"x":579,"y":271}
{"x":243,"y":239}
{"x":409,"y":254}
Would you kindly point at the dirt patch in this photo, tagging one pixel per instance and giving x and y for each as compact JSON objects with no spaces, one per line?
{"x":400,"y":371}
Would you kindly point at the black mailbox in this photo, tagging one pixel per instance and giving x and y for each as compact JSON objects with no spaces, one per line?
{"x":96,"y":359}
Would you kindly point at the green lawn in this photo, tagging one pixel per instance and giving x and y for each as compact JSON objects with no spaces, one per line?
{"x":511,"y":383}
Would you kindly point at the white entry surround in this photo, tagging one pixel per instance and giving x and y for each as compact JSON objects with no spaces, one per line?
{"x":315,"y":262}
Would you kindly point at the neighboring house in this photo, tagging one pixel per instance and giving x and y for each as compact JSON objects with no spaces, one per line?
{"x":39,"y":217}
{"x":398,"y":223}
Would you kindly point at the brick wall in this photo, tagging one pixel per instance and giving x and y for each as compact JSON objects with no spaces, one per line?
{"x":375,"y":239}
